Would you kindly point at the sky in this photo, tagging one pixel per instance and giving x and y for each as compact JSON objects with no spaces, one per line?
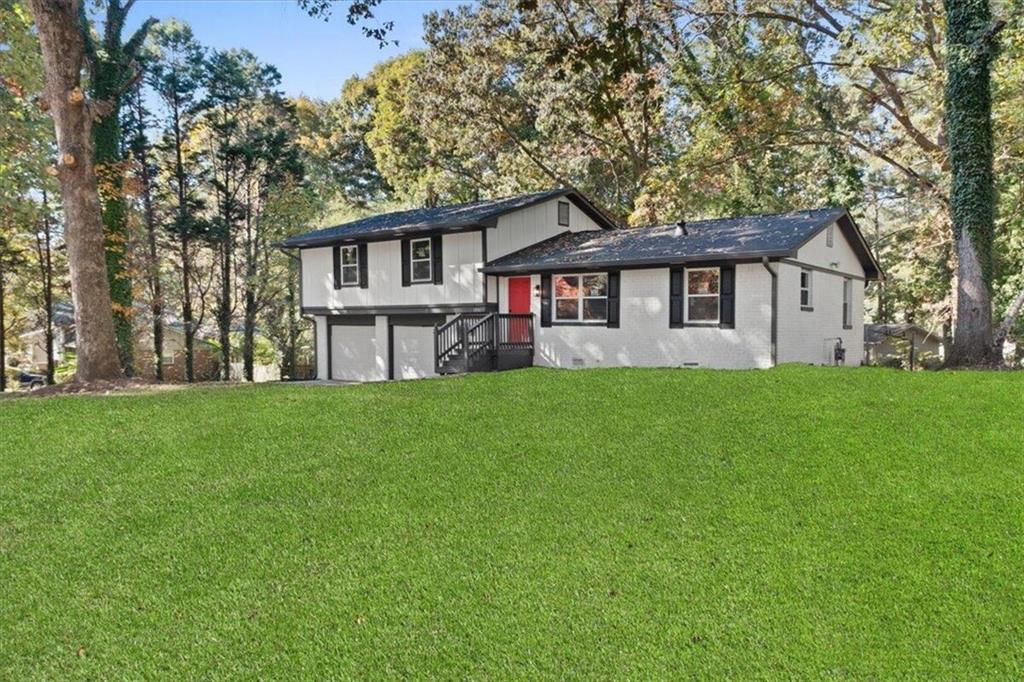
{"x":314,"y":57}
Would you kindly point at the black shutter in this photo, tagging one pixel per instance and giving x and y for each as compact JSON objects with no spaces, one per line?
{"x":727,"y":297}
{"x":364,"y":280}
{"x":437,"y":258}
{"x":545,"y":300}
{"x":336,"y":252}
{"x":405,"y":263}
{"x":613,"y":299}
{"x":676,"y":297}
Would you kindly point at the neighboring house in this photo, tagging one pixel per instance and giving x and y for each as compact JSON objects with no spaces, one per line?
{"x":904,"y":344}
{"x":547,"y":279}
{"x":206,"y":359}
{"x":63,"y":338}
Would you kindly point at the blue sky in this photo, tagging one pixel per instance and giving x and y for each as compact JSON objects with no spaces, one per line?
{"x":313,"y":56}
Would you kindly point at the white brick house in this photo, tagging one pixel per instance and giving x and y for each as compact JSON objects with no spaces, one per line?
{"x":547,"y":279}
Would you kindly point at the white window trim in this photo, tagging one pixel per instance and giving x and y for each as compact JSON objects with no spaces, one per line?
{"x":579,"y":298}
{"x":568,"y":213}
{"x":809,"y":288}
{"x":428,"y":259}
{"x":350,"y":266}
{"x":687,"y":296}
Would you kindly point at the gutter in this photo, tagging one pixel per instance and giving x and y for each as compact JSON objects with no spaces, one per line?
{"x":775,"y":309}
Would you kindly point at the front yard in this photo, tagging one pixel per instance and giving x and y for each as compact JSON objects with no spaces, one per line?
{"x":606,"y":523}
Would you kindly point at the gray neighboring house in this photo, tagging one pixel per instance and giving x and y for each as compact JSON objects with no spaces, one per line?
{"x":63,"y":338}
{"x":547,"y":279}
{"x":904,"y":343}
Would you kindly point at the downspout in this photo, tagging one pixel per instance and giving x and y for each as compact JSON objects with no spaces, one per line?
{"x":775,"y":309}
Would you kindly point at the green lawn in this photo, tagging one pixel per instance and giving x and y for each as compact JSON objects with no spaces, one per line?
{"x":602,"y":523}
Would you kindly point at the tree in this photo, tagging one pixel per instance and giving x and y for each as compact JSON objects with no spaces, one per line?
{"x":113,"y":69}
{"x":12,"y":258}
{"x":136,"y":125}
{"x":970,"y":41}
{"x":44,"y":252}
{"x":272,"y":161}
{"x":338,"y":159}
{"x":288,"y":209}
{"x":63,"y":50}
{"x":175,"y":72}
{"x":237,"y":87}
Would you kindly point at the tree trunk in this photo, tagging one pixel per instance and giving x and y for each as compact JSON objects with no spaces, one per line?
{"x":224,"y":308}
{"x":249,"y":314}
{"x":44,"y":250}
{"x":249,"y":343}
{"x":110,"y":171}
{"x":184,"y":234}
{"x":3,"y":336}
{"x":187,"y":318}
{"x":293,"y":323}
{"x":156,"y":303}
{"x":969,"y":42}
{"x":1009,"y":321}
{"x":61,"y":40}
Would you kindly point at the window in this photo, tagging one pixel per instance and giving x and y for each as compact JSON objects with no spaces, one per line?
{"x":563,"y":213}
{"x":349,"y":266}
{"x":805,"y":289}
{"x":581,"y":298}
{"x":830,"y":237}
{"x":847,"y":303}
{"x":702,"y":294}
{"x":420,"y":261}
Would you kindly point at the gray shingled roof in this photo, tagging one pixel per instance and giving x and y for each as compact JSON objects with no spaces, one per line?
{"x":876,"y":333}
{"x":774,"y":236}
{"x":436,"y":219}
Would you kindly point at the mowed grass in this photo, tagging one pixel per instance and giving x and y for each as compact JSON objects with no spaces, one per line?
{"x":603,"y":523}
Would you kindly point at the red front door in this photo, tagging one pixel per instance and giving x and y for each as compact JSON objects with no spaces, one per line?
{"x":519,"y":295}
{"x":519,"y":302}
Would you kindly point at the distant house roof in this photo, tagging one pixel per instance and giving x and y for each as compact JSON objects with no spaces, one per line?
{"x":749,"y":237}
{"x":452,"y":218}
{"x":876,"y":333}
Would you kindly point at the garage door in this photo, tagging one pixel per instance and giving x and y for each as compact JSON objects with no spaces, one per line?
{"x":414,"y":351}
{"x":354,"y":354}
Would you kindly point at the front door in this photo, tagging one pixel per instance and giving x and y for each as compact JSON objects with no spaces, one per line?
{"x":519,"y":302}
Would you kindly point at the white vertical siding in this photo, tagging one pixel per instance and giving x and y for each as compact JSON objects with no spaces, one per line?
{"x":531,"y":225}
{"x":809,"y":336}
{"x":840,"y":256}
{"x":320,"y":329}
{"x":462,"y":256}
{"x":644,"y":338}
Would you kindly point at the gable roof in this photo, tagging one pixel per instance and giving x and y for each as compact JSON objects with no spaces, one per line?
{"x":749,"y":237}
{"x":452,"y":218}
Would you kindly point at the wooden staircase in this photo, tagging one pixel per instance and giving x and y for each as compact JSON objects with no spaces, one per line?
{"x":483,"y":342}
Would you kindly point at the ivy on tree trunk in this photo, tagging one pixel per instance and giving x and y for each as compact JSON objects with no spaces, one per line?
{"x":970,"y":40}
{"x":113,"y":71}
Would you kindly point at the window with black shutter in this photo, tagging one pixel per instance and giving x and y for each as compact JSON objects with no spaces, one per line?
{"x":675,"y":298}
{"x":727,"y":298}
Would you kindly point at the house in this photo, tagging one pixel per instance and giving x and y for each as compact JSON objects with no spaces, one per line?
{"x":34,"y":341}
{"x":902,"y":344}
{"x":206,"y":357}
{"x":547,"y":279}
